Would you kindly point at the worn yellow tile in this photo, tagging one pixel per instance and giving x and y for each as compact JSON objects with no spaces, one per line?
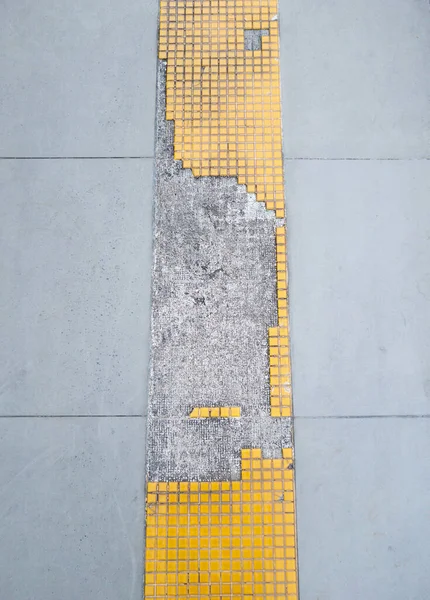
{"x":250,"y":108}
{"x":231,"y":552}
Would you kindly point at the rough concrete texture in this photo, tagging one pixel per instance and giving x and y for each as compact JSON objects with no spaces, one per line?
{"x":253,"y":38}
{"x":209,"y":449}
{"x":214,"y":297}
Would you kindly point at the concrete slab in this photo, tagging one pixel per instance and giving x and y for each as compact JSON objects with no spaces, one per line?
{"x":72,"y":502}
{"x":78,"y":79}
{"x":355,"y":78}
{"x":359,"y":255}
{"x":363,"y":492}
{"x":75,"y":247}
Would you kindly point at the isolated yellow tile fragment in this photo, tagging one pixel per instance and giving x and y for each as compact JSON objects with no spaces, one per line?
{"x":224,"y":412}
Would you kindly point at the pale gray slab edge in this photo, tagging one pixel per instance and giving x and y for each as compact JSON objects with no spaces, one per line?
{"x":359,"y":256}
{"x":78,"y":79}
{"x":75,"y":267}
{"x":363,"y":497}
{"x":72,"y":506}
{"x":355,"y":78}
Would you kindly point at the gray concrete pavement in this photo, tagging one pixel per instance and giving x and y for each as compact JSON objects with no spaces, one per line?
{"x":71,"y":508}
{"x":356,"y":86}
{"x":363,"y":500}
{"x":78,"y":79}
{"x":75,"y":259}
{"x":355,"y":76}
{"x":359,"y":252}
{"x":77,"y":292}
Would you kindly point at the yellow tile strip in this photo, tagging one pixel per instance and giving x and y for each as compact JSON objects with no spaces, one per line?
{"x":224,"y":99}
{"x":235,"y":540}
{"x":279,"y":347}
{"x":230,"y":539}
{"x":206,"y":412}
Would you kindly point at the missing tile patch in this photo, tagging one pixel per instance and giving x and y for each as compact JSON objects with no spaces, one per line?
{"x":253,"y":38}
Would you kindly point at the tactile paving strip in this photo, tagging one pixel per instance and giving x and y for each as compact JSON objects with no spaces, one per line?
{"x":229,"y":539}
{"x":224,"y":99}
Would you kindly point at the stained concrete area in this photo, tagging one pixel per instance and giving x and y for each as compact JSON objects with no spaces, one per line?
{"x":214,"y":297}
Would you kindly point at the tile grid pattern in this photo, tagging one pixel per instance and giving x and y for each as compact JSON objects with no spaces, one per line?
{"x":213,"y":540}
{"x":279,"y":347}
{"x":224,"y":99}
{"x":221,"y":539}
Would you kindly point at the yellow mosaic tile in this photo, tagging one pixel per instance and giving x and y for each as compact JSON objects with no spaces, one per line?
{"x":219,"y":540}
{"x":224,"y":412}
{"x":225,"y":99}
{"x":279,"y":347}
{"x":225,"y":102}
{"x":229,"y":539}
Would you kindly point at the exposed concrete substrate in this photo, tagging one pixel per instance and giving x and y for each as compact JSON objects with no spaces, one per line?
{"x":214,"y":297}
